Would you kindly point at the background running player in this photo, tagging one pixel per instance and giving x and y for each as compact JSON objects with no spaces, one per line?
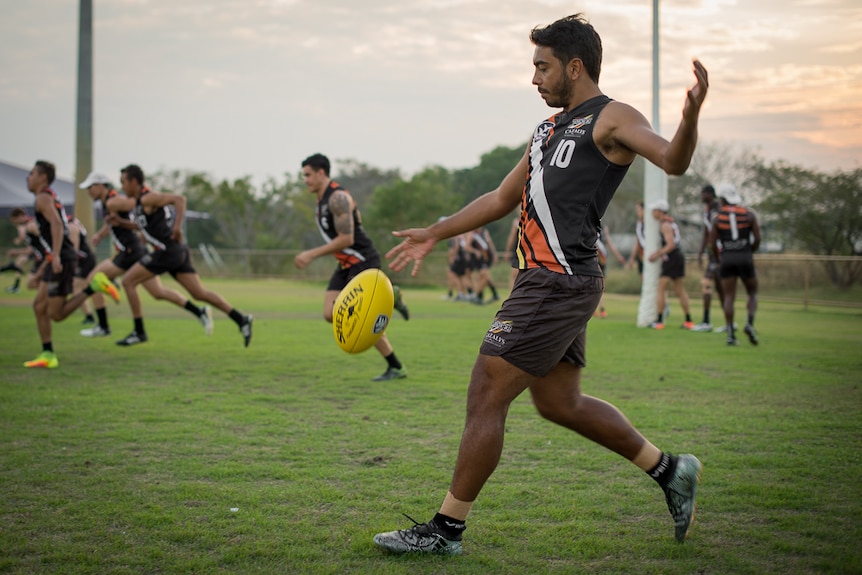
{"x":162,"y":229}
{"x":52,"y":302}
{"x":85,"y":263}
{"x":129,"y":249}
{"x":33,"y":251}
{"x":340,"y":224}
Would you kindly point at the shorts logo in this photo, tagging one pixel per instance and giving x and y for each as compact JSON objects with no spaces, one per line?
{"x":498,"y":327}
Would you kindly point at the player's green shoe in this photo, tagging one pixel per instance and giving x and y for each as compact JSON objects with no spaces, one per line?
{"x":391,"y":373}
{"x":101,"y":283}
{"x":47,"y":359}
{"x":680,"y":493}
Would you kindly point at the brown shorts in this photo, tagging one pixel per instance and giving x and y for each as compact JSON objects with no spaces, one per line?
{"x":544,"y":321}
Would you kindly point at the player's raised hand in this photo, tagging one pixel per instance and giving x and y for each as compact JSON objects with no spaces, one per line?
{"x":418,"y":242}
{"x":697,"y":93}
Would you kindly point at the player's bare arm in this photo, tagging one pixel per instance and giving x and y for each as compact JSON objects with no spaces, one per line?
{"x":626,"y":128}
{"x":492,"y":206}
{"x":156,"y":200}
{"x":341,"y":207}
{"x":755,"y":231}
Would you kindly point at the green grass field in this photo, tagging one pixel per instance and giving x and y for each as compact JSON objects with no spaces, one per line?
{"x":191,"y":454}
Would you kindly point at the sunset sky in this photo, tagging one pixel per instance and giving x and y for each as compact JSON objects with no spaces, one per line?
{"x":251,"y":87}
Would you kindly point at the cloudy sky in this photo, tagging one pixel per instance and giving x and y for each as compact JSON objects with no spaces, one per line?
{"x":251,"y":87}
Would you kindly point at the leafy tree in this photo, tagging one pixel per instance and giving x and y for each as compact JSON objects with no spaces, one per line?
{"x":361,"y":179}
{"x":404,"y":204}
{"x":814,"y":211}
{"x":468,"y":184}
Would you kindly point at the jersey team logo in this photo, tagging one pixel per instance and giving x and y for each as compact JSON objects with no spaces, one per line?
{"x":542,"y":131}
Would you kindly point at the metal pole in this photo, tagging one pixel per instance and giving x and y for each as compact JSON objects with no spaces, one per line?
{"x":84,"y":127}
{"x":655,"y":188}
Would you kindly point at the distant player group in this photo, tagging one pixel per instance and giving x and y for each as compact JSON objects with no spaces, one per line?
{"x":60,"y":252}
{"x":139,"y":217}
{"x":731,"y":235}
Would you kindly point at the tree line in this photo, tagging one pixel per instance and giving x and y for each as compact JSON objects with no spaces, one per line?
{"x":802,"y":209}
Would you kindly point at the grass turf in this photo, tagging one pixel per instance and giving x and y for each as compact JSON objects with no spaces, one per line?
{"x":191,"y":454}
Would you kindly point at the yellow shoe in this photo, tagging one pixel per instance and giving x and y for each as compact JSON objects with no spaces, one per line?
{"x":101,"y":283}
{"x":46,"y":359}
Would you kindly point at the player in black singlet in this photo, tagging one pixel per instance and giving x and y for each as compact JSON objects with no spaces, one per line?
{"x":736,"y":236}
{"x":85,"y":263}
{"x":52,"y":301}
{"x":340,"y":224}
{"x":672,"y":265}
{"x":28,"y":234}
{"x":162,"y":229}
{"x":564,"y":182}
{"x":711,"y":206}
{"x":128,"y":248}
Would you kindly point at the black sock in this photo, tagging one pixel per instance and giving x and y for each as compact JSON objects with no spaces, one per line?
{"x":450,"y":526}
{"x":193,"y":308}
{"x":663,"y":470}
{"x":393,"y":361}
{"x":88,"y":290}
{"x":89,"y":318}
{"x":237,"y":317}
{"x":660,"y":318}
{"x":17,"y":283}
{"x":688,"y":317}
{"x":48,"y":346}
{"x":751,"y":320}
{"x":103,"y":317}
{"x":706,"y":315}
{"x":139,"y":326}
{"x":493,"y":291}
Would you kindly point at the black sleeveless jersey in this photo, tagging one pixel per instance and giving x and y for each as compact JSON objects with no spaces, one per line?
{"x":735,"y":225}
{"x":67,"y":252}
{"x":569,"y":186}
{"x":677,"y":237}
{"x":158,"y":226}
{"x":362,"y":248}
{"x":124,"y":239}
{"x":35,"y":241}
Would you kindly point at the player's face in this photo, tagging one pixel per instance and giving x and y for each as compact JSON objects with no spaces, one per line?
{"x":555,"y":86}
{"x":36,"y":180}
{"x":95,"y":191}
{"x":130,"y":186}
{"x":314,"y":180}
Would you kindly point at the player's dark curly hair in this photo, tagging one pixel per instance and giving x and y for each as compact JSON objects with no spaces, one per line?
{"x":134,"y":172}
{"x":317,"y":162}
{"x":572,"y":37}
{"x":48,"y":169}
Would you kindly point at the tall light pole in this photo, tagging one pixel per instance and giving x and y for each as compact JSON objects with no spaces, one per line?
{"x":84,"y":119}
{"x":655,"y":188}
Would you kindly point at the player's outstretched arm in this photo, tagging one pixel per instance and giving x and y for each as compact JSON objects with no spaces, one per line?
{"x":417,"y":243}
{"x":489,"y":207}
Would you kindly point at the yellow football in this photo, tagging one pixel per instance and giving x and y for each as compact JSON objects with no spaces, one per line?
{"x":362,"y":311}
